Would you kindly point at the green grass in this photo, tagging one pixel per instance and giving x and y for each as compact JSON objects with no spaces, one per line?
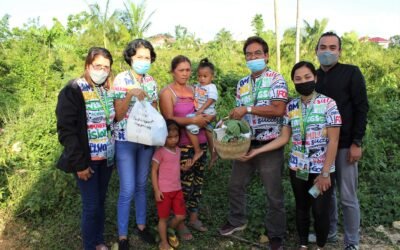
{"x":59,"y":228}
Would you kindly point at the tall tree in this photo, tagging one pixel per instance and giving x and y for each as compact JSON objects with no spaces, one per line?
{"x":4,"y":28}
{"x":224,"y":38}
{"x":313,"y":32}
{"x":185,"y":39}
{"x":298,"y":32}
{"x":134,"y":18}
{"x":101,"y":21}
{"x":278,"y":42}
{"x":258,"y":24}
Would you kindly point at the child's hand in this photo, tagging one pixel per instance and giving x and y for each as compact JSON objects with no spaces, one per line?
{"x":158,"y":195}
{"x":187,"y":165}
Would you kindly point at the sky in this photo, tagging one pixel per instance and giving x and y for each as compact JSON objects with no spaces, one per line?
{"x":205,"y":18}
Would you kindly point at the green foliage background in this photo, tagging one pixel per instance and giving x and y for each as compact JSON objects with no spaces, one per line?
{"x":36,"y":62}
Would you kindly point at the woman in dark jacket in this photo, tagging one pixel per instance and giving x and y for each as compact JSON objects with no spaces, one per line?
{"x":85,"y":115}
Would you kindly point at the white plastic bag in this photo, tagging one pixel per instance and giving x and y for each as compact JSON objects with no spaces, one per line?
{"x":145,"y":125}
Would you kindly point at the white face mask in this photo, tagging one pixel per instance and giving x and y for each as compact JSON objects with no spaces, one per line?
{"x":98,"y":76}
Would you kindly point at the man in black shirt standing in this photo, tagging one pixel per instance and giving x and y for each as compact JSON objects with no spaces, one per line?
{"x":346,"y":85}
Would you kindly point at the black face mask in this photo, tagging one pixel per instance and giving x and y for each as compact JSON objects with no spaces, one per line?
{"x":305,"y":88}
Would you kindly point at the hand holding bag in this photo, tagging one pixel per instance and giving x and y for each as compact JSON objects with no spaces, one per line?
{"x":145,"y":125}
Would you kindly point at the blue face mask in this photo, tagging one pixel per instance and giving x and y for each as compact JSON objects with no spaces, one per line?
{"x":256,"y":65}
{"x":141,"y":67}
{"x":327,"y":58}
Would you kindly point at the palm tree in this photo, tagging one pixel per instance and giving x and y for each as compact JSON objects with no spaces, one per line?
{"x":224,"y":38}
{"x":184,"y":38}
{"x":258,"y":24}
{"x":278,"y":47}
{"x":298,"y":32}
{"x":312,"y":33}
{"x":134,"y":18}
{"x":100,"y":21}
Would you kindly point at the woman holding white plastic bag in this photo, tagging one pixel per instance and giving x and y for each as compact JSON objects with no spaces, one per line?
{"x":133,"y":159}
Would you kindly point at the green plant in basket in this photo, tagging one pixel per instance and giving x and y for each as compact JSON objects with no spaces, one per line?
{"x":234,"y":131}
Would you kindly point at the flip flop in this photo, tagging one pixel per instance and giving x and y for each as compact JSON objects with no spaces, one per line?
{"x":198,"y":225}
{"x":184,"y":234}
{"x":172,"y":239}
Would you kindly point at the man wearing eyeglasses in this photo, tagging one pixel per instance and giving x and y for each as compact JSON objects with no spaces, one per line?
{"x":261,"y":99}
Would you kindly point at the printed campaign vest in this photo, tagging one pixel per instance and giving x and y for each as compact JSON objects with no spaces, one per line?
{"x":309,"y":130}
{"x":270,"y":86}
{"x":99,"y":105}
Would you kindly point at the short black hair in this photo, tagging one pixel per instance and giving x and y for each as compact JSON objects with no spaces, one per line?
{"x":131,"y":48}
{"x":330,"y":33}
{"x":256,"y":39}
{"x":205,"y":63}
{"x":306,"y":64}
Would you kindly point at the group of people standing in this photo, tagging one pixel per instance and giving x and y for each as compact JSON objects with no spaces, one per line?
{"x":325,"y":124}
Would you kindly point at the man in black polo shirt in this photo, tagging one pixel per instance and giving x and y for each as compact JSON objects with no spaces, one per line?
{"x":346,"y":85}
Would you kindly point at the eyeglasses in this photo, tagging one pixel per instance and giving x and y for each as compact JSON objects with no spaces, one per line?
{"x":101,"y":67}
{"x":257,"y":54}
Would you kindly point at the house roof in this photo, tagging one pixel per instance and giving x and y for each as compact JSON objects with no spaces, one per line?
{"x":378,"y":40}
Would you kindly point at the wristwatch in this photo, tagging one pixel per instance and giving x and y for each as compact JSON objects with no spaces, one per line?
{"x":248,"y":108}
{"x":325,"y":174}
{"x":357,"y":142}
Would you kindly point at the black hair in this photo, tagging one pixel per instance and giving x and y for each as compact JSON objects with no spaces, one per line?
{"x":330,"y":33}
{"x":177,"y":60}
{"x":205,"y":63}
{"x":131,"y":48}
{"x":172,"y":125}
{"x":256,"y":39}
{"x":306,"y":64}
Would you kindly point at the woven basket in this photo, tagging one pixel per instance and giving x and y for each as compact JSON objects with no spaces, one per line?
{"x":231,"y":150}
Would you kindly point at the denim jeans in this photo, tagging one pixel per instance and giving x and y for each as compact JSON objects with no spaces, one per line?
{"x":133,"y":164}
{"x":347,"y":182}
{"x":93,"y":193}
{"x":270,"y":167}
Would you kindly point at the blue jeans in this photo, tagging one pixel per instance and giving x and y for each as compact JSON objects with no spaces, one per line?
{"x":347,"y":182}
{"x":93,"y":193}
{"x":133,"y":164}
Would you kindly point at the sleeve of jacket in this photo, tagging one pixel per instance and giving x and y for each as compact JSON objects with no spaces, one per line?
{"x":359,"y":104}
{"x":68,"y":126}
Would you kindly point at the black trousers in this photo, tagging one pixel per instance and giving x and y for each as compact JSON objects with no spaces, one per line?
{"x":320,"y":209}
